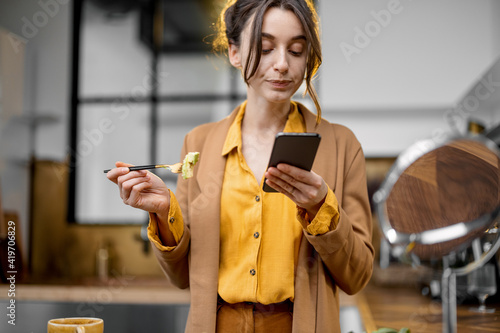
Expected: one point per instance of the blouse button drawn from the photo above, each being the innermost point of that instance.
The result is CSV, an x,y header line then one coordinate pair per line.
x,y
252,271
256,234
172,220
257,198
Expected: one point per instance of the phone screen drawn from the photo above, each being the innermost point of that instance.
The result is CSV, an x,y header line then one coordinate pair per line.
x,y
297,149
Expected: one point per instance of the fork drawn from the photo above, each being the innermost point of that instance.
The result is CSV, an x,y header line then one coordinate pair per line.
x,y
174,168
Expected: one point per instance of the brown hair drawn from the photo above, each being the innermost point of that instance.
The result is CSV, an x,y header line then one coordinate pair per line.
x,y
237,13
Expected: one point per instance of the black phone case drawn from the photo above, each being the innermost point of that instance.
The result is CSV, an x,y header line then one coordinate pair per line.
x,y
298,149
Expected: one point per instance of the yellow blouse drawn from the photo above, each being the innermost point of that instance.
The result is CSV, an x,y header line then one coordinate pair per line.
x,y
259,232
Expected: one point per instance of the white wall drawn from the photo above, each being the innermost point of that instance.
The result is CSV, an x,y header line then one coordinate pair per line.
x,y
393,68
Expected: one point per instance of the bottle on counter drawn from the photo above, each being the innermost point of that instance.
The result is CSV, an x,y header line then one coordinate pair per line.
x,y
102,263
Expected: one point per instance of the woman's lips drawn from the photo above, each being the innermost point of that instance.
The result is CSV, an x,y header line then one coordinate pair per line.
x,y
279,84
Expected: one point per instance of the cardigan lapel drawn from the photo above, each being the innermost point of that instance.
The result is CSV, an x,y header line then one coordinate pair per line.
x,y
210,170
326,157
308,272
204,217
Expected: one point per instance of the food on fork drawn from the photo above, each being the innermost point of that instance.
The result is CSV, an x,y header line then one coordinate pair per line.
x,y
188,164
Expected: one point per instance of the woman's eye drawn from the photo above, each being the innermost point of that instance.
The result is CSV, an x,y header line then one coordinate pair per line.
x,y
267,47
296,49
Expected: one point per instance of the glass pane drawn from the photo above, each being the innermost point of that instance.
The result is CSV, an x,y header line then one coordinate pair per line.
x,y
108,133
175,121
112,59
193,74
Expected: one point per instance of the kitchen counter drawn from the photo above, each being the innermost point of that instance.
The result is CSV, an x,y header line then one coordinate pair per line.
x,y
398,307
122,289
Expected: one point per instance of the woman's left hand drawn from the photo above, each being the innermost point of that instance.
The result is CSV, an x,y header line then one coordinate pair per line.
x,y
306,188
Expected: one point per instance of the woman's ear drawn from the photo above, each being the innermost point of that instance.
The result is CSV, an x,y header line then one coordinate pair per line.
x,y
234,55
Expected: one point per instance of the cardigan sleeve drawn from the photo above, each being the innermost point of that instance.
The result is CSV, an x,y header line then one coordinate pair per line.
x,y
326,219
175,225
174,260
347,251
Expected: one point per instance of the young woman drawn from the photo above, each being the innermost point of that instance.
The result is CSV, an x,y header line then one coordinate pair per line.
x,y
257,261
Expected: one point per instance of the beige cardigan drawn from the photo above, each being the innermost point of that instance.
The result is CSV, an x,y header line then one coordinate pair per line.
x,y
341,258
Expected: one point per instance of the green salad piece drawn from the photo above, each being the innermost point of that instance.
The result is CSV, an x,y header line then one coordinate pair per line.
x,y
188,164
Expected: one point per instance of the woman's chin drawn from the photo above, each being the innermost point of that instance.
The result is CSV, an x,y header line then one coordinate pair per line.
x,y
279,97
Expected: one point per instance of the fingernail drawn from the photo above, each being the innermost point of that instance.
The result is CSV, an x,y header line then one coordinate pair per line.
x,y
124,170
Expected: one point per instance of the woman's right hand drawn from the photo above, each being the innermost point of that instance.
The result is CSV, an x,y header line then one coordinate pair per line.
x,y
141,189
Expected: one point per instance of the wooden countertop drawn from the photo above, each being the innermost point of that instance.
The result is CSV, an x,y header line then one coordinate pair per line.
x,y
398,307
123,289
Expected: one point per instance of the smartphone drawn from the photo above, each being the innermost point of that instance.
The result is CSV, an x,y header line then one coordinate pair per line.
x,y
297,149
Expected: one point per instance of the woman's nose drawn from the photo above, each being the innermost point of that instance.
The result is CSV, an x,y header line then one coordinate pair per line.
x,y
281,62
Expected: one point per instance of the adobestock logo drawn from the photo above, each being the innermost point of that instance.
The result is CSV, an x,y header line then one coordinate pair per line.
x,y
31,26
373,28
120,110
484,90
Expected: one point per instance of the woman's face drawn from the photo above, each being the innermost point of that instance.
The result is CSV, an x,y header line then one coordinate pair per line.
x,y
284,56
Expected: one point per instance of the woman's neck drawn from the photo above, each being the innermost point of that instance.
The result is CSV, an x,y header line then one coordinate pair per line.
x,y
260,115
261,122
